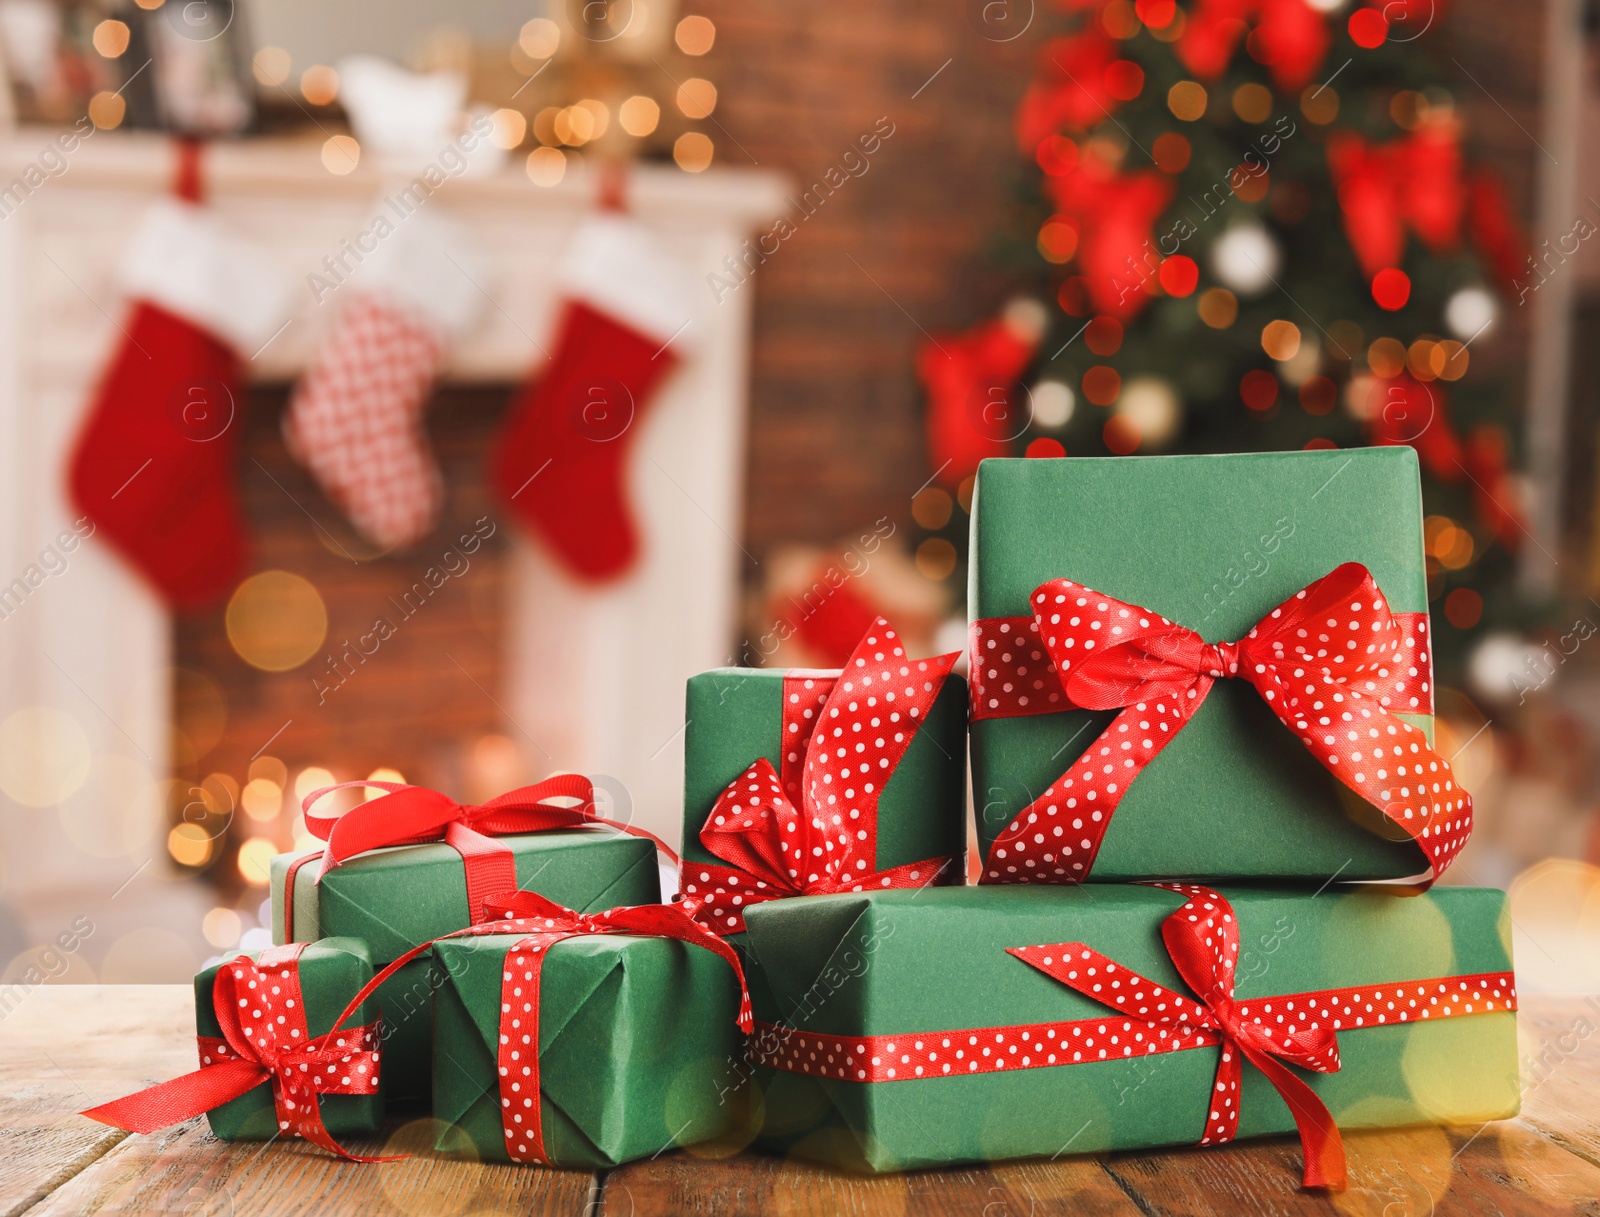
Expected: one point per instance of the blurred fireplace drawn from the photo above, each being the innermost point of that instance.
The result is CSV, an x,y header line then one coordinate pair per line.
x,y
411,669
509,671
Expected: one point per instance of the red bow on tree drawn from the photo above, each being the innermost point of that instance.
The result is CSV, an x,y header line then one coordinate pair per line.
x,y
969,379
1290,37
261,1010
1418,414
415,815
815,832
1115,213
1070,92
1202,937
1330,661
1413,181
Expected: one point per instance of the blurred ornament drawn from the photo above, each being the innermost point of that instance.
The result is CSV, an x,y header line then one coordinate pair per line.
x,y
1116,214
1470,311
1289,37
1246,258
1150,405
407,118
1504,666
1495,229
1052,402
970,379
1413,182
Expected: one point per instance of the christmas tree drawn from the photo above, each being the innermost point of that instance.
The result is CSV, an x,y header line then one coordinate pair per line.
x,y
1248,225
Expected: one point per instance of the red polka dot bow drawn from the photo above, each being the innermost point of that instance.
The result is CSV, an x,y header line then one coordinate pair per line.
x,y
1202,937
1332,662
414,815
814,830
261,1010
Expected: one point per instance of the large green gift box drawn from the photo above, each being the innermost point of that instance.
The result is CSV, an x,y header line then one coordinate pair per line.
x,y
735,716
397,898
1215,544
910,1036
637,1048
329,974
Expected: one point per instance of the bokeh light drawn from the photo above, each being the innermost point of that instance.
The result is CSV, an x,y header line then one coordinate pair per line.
x,y
384,774
44,756
931,507
546,166
222,928
695,35
936,558
1187,100
262,799
319,85
539,38
276,620
255,861
692,151
271,66
190,845
110,38
340,154
510,128
313,777
697,98
639,115
106,110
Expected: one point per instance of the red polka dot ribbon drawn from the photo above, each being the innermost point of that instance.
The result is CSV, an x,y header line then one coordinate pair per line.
x,y
1333,662
1202,938
415,815
813,828
261,1010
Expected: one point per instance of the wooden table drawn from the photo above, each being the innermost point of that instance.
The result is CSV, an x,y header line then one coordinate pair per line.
x,y
64,1047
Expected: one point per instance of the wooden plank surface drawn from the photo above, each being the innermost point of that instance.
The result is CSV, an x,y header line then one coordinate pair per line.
x,y
67,1047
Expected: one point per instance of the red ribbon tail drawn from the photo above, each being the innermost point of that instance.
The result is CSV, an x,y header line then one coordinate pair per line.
x,y
182,1098
1319,1135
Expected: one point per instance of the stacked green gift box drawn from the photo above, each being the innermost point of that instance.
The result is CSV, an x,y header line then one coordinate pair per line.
x,y
1199,710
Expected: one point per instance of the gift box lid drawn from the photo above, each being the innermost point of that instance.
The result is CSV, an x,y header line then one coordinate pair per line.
x,y
1213,543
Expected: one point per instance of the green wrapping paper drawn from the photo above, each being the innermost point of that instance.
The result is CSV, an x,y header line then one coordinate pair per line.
x,y
635,1039
906,964
331,972
735,716
1213,543
395,899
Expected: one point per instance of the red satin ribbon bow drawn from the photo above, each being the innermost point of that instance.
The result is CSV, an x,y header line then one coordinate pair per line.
x,y
814,831
414,815
1327,661
1202,937
264,1038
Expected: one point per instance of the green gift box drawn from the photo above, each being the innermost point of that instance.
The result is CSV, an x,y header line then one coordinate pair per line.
x,y
328,974
397,898
635,1040
909,1036
736,716
1215,544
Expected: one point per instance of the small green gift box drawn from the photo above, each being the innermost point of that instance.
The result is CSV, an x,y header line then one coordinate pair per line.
x,y
397,898
305,988
594,1051
1153,696
923,1029
805,782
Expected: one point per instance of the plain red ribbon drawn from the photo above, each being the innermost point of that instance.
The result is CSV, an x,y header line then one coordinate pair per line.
x,y
853,739
261,1010
1202,937
415,815
1325,661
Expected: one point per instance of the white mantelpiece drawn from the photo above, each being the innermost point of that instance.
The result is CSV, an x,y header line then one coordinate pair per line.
x,y
594,678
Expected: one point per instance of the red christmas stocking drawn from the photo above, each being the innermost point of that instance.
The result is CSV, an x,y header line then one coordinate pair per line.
x,y
560,460
356,418
154,462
